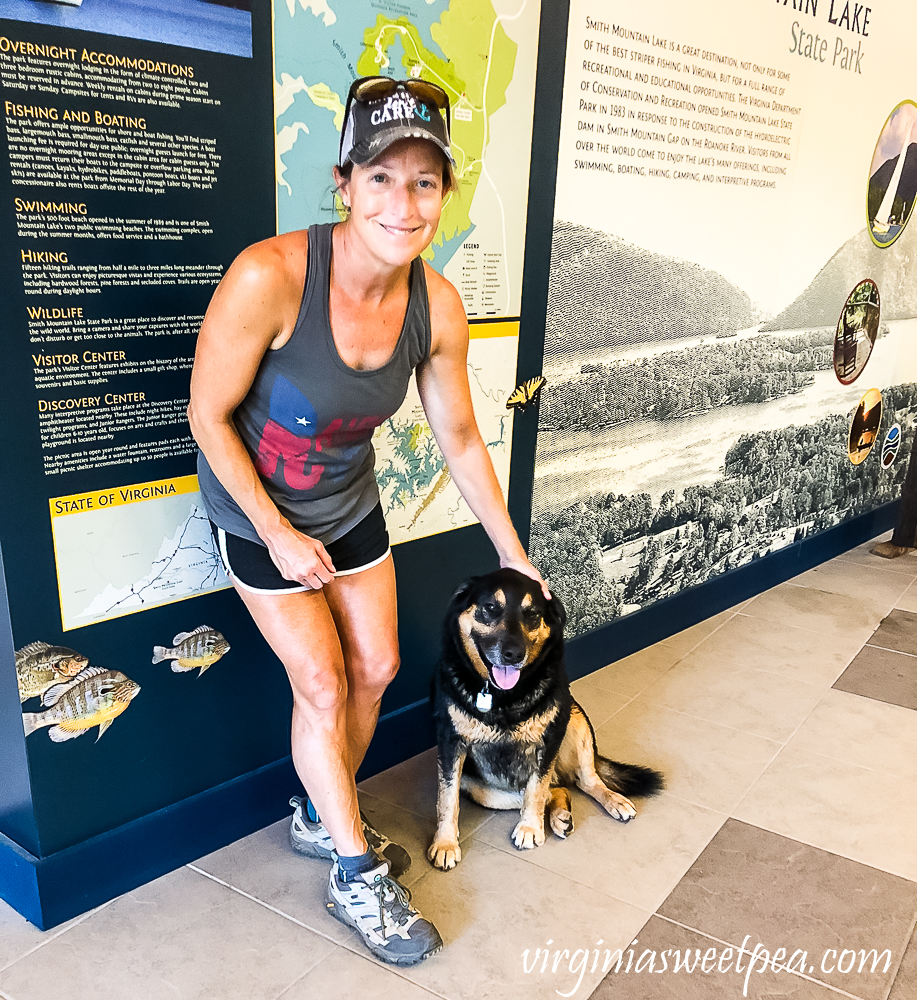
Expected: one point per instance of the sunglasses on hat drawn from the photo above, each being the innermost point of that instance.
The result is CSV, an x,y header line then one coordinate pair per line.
x,y
377,88
371,89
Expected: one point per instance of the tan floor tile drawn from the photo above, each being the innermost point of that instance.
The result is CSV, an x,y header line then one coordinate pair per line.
x,y
754,701
859,813
908,600
905,565
854,580
18,936
817,611
180,936
784,894
638,862
897,631
798,653
597,701
344,975
266,867
883,675
862,731
493,908
634,673
684,642
905,986
411,785
703,762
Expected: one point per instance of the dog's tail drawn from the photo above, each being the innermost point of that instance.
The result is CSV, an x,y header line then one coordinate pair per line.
x,y
629,779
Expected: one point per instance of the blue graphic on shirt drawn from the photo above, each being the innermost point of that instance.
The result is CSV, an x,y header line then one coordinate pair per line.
x,y
292,410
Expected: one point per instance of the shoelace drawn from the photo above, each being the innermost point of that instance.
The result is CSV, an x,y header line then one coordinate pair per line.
x,y
380,885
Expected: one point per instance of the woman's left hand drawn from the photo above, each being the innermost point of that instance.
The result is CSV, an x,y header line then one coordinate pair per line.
x,y
527,569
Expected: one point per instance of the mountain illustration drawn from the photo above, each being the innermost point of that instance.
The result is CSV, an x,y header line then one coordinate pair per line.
x,y
604,292
891,268
907,186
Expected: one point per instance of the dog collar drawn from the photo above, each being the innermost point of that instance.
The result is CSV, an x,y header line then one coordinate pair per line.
x,y
485,699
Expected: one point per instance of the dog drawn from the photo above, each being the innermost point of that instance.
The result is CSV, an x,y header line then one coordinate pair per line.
x,y
509,732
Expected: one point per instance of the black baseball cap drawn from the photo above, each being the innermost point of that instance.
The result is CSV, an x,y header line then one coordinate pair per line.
x,y
381,111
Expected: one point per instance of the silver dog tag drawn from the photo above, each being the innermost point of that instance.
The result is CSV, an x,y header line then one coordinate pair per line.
x,y
484,700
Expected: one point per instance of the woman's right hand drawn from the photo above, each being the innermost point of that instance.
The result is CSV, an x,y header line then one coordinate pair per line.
x,y
301,558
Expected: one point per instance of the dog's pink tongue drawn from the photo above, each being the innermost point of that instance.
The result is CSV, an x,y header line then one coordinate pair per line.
x,y
505,677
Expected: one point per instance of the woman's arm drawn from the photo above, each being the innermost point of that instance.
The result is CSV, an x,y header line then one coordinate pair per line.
x,y
252,311
443,384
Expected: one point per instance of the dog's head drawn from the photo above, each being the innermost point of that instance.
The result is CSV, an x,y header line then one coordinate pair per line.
x,y
504,624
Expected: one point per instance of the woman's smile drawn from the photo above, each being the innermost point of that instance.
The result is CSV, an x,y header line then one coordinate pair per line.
x,y
399,230
399,194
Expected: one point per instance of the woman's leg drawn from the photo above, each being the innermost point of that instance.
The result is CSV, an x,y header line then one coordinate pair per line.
x,y
340,650
364,609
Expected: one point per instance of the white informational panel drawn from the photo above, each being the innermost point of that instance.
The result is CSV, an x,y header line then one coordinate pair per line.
x,y
727,181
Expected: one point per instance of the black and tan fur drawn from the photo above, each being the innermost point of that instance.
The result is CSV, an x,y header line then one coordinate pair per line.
x,y
535,741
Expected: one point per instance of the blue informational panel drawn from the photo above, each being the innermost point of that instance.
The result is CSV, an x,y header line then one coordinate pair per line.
x,y
136,161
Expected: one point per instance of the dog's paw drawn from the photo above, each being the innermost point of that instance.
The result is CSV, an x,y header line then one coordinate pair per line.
x,y
562,823
526,837
620,808
444,854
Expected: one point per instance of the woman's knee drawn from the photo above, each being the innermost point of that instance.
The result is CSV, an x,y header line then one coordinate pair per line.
x,y
319,689
386,669
376,672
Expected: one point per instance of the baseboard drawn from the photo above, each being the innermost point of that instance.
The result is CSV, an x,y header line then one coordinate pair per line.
x,y
50,890
86,875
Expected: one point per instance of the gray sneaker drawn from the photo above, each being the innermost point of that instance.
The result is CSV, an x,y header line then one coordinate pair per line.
x,y
313,840
379,910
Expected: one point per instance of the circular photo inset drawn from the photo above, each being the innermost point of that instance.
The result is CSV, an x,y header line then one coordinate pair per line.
x,y
864,427
893,176
857,330
890,445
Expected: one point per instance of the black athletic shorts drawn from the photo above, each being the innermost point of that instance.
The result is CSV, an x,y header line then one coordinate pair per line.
x,y
251,567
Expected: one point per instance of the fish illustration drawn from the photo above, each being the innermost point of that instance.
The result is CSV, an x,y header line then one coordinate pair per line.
x,y
94,697
199,648
39,666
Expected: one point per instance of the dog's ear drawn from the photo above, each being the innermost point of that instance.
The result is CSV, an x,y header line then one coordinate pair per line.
x,y
461,600
554,612
461,595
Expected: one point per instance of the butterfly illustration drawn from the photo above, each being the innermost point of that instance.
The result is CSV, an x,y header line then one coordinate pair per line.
x,y
526,395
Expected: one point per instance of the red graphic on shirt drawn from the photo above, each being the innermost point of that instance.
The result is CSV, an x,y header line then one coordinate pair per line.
x,y
281,445
278,444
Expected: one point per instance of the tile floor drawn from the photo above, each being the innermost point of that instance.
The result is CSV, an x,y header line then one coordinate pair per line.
x,y
787,728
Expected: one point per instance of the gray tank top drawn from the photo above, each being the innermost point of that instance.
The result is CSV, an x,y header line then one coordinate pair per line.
x,y
308,418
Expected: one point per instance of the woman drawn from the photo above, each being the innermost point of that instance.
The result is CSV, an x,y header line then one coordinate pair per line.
x,y
307,346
